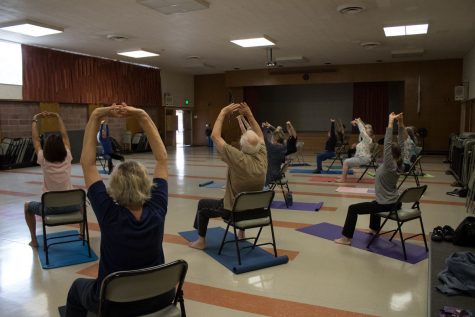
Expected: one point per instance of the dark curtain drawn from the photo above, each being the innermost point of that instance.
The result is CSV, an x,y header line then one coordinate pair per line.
x,y
371,104
54,76
251,97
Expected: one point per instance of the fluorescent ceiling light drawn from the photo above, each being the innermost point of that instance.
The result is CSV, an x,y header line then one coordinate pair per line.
x,y
30,28
395,31
406,30
255,42
138,54
416,29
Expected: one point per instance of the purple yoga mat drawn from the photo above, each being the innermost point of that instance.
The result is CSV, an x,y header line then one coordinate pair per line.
x,y
381,245
297,205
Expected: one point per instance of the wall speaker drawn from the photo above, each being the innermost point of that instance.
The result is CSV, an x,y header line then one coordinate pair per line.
x,y
460,93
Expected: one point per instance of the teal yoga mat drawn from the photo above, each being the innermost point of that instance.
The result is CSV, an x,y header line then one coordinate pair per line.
x,y
251,259
64,254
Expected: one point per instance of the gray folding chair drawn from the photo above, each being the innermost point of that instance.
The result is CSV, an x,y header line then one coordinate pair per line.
x,y
372,164
250,210
403,215
282,182
411,172
100,157
63,208
137,285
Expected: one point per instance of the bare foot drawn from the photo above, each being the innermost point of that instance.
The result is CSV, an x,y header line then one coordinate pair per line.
x,y
241,234
33,244
343,240
198,244
341,180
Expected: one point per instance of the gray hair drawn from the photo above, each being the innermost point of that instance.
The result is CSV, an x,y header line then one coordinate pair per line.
x,y
249,142
130,184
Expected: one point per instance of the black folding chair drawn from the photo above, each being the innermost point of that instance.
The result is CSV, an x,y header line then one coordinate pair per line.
x,y
372,164
412,172
282,182
340,150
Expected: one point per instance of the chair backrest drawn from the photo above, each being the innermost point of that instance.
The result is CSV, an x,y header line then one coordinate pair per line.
x,y
253,200
135,285
99,150
412,195
59,199
375,149
413,166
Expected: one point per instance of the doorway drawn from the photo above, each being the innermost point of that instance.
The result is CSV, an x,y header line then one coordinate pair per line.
x,y
183,134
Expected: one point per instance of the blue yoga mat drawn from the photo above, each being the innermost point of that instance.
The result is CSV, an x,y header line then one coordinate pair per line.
x,y
381,245
297,205
66,253
307,171
212,184
251,259
300,164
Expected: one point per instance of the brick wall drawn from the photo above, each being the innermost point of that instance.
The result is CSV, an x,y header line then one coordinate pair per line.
x,y
15,118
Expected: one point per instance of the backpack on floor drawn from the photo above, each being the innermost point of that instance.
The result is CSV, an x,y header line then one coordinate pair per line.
x,y
465,233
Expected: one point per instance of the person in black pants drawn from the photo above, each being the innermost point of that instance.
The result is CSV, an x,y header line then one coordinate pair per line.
x,y
385,187
329,147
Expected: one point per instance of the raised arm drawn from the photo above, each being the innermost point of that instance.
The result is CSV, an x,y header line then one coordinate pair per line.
x,y
245,110
62,130
291,129
388,140
88,154
35,135
362,129
218,126
241,124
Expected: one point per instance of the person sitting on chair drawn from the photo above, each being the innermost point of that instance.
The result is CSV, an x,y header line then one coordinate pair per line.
x,y
292,140
107,148
329,147
387,176
363,149
276,150
247,170
130,211
55,161
409,140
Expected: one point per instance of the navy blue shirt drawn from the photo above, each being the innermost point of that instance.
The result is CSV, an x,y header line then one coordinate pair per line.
x,y
128,243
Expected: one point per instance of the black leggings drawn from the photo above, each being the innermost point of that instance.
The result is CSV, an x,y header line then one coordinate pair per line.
x,y
362,209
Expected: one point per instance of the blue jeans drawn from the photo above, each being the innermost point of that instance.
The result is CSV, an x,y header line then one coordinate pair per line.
x,y
210,142
322,157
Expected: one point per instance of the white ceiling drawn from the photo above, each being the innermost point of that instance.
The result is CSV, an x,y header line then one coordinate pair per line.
x,y
310,28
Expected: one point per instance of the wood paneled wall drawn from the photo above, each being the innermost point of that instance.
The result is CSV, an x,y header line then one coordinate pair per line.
x,y
439,113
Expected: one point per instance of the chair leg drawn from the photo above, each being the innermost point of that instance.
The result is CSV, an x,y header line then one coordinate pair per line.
x,y
273,237
417,179
423,234
86,231
283,194
376,234
366,169
402,241
237,245
224,239
257,237
45,243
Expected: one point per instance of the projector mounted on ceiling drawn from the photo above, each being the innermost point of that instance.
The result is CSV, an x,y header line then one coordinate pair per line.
x,y
270,60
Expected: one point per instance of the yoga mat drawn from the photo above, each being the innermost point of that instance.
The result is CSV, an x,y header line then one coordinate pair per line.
x,y
307,171
333,179
355,190
66,253
212,184
373,174
300,164
251,259
297,205
101,171
381,245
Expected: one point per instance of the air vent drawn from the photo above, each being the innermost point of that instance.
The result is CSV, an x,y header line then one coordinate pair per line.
x,y
350,8
116,37
175,6
370,45
416,52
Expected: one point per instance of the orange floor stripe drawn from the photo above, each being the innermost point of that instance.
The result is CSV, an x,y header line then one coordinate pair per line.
x,y
17,194
250,303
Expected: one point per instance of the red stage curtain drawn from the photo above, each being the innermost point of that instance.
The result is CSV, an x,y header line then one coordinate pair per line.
x,y
371,104
54,76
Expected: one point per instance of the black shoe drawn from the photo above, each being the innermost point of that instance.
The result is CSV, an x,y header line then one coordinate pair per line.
x,y
317,172
448,233
437,234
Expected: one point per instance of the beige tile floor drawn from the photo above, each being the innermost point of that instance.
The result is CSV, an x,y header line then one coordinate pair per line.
x,y
324,279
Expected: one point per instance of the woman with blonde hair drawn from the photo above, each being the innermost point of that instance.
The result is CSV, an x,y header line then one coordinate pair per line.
x,y
130,212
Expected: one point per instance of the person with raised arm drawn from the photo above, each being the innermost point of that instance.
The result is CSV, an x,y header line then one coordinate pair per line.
x,y
55,162
387,176
247,169
130,211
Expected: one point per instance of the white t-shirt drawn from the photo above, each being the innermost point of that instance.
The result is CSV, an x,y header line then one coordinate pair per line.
x,y
56,176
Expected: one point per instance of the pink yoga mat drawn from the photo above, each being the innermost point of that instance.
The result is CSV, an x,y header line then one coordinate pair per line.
x,y
324,179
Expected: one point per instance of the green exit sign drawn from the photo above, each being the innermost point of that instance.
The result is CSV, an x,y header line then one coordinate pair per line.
x,y
187,102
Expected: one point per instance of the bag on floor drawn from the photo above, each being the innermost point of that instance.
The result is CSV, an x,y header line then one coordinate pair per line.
x,y
465,233
288,198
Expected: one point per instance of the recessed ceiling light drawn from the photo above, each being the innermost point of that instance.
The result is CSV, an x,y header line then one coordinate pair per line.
x,y
30,28
406,30
416,29
138,53
254,42
395,31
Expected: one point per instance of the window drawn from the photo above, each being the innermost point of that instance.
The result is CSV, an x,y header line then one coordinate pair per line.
x,y
10,63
